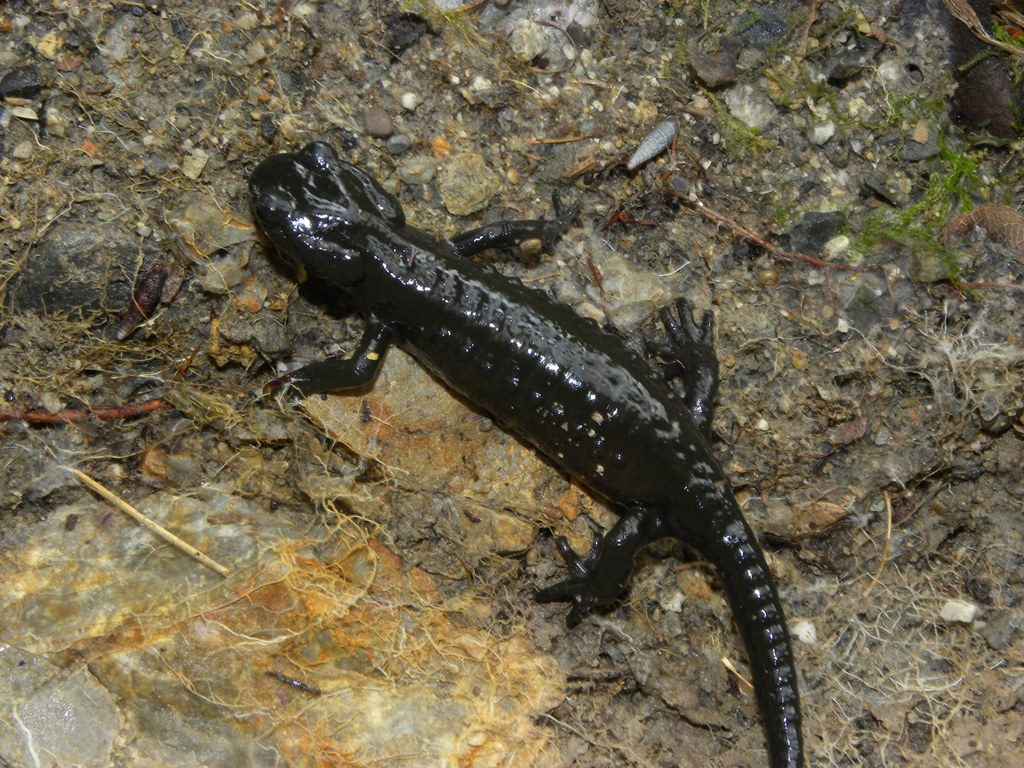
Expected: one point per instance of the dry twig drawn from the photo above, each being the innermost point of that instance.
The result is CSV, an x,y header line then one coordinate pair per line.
x,y
966,15
155,528
69,415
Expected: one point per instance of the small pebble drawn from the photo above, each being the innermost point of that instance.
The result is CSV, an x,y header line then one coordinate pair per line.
x,y
193,164
958,611
23,83
921,131
716,68
50,401
377,122
23,150
467,184
528,40
268,127
417,171
57,122
1000,630
768,277
836,247
49,46
820,133
750,106
805,632
23,112
399,144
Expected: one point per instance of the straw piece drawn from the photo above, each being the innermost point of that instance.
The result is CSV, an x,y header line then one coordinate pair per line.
x,y
151,526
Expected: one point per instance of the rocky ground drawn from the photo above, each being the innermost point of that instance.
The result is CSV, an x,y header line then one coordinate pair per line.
x,y
379,552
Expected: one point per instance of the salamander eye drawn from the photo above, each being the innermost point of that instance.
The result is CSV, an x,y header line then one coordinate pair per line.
x,y
274,207
322,154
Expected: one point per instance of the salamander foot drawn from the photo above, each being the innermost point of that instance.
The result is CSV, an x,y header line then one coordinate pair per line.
x,y
580,586
692,360
553,228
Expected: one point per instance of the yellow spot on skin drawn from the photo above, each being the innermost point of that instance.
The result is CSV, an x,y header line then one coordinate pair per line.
x,y
595,416
373,356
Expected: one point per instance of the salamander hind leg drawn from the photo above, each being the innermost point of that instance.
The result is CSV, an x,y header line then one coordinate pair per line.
x,y
600,576
691,349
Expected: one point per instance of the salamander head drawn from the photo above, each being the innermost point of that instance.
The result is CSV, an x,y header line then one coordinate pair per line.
x,y
323,214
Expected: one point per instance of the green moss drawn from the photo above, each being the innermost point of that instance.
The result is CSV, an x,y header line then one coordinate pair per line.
x,y
681,9
1000,33
453,19
705,13
955,176
946,191
782,219
791,92
739,140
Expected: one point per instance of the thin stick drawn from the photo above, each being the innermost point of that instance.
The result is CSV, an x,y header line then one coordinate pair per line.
x,y
731,667
149,525
532,142
68,416
885,547
739,229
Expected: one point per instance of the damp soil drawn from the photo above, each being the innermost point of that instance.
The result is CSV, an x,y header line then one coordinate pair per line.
x,y
383,549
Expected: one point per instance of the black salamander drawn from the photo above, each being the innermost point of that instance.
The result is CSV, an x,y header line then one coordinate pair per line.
x,y
557,380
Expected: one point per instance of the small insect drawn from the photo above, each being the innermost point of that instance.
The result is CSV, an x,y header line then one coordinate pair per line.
x,y
306,687
656,142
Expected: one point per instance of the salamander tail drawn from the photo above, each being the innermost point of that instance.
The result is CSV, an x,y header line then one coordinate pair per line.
x,y
755,604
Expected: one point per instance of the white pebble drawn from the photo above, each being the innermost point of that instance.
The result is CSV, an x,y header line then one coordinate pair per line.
x,y
959,611
805,632
528,40
821,133
750,106
837,246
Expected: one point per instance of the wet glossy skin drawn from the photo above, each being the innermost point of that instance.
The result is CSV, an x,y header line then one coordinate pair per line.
x,y
557,380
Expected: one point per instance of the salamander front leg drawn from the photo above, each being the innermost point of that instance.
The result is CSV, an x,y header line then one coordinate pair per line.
x,y
509,233
601,575
340,374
